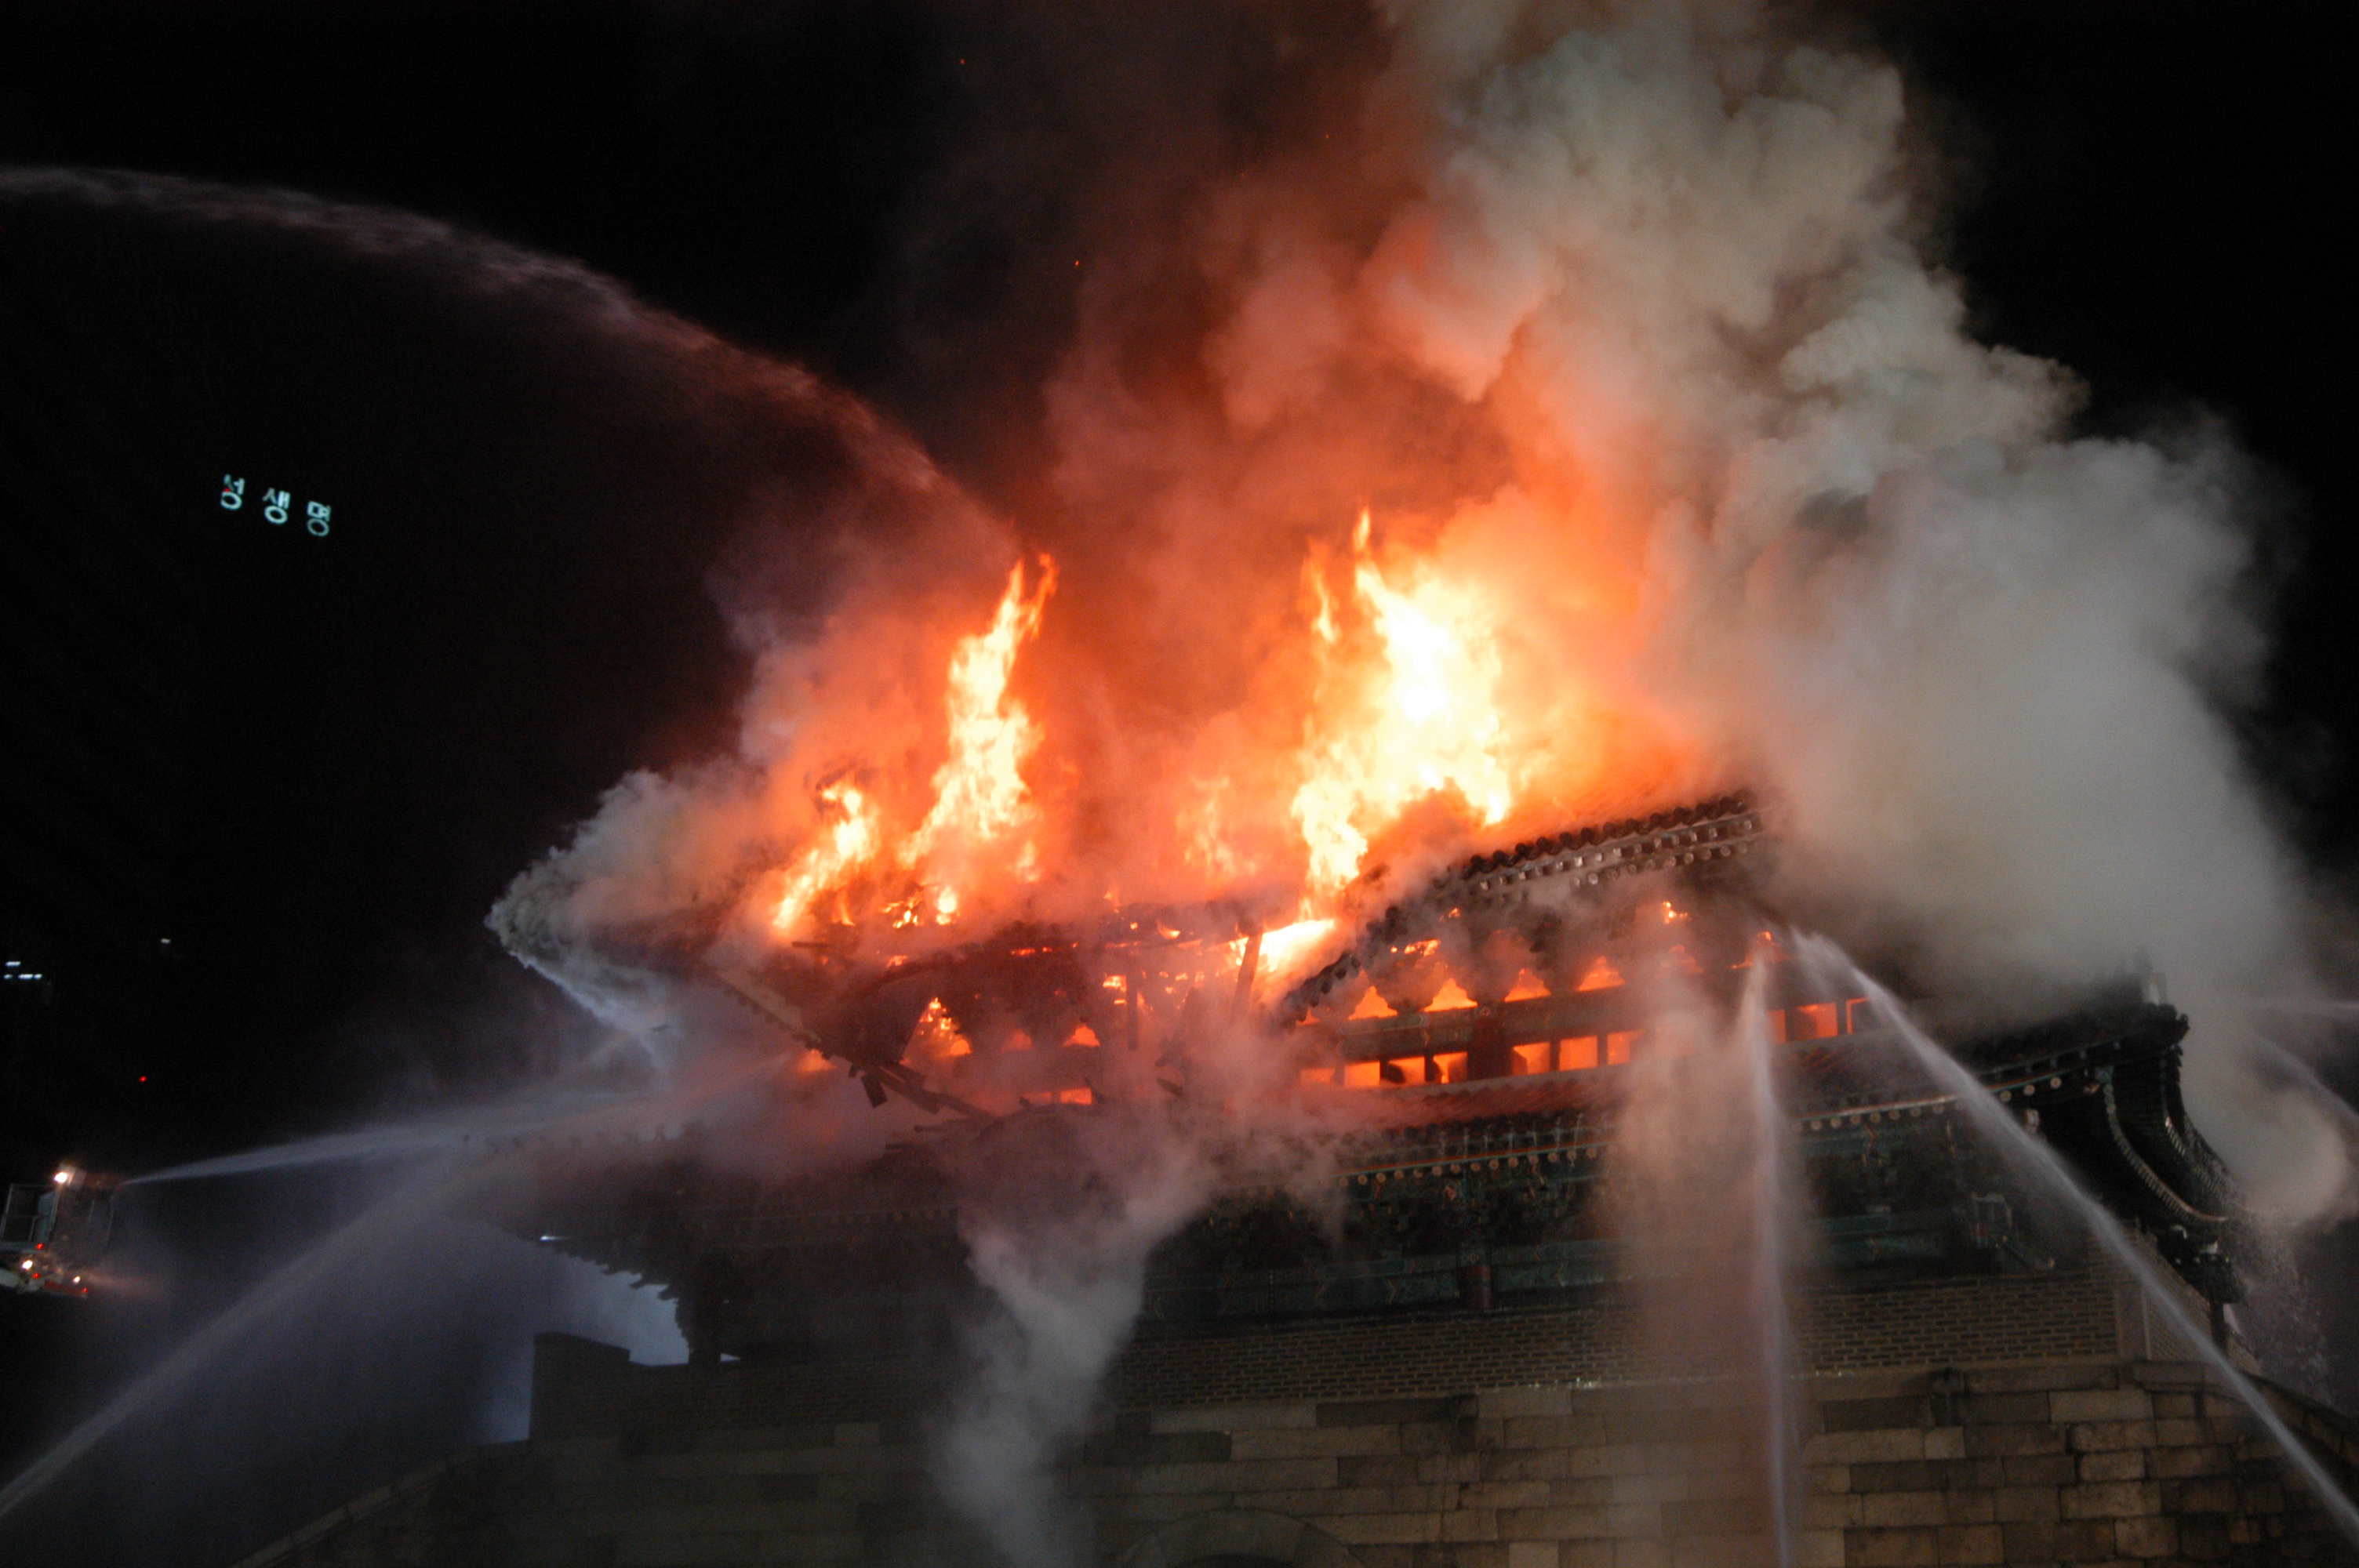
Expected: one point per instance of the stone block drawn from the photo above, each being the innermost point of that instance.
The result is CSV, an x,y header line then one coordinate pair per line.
x,y
1945,1443
2001,1410
1435,1437
1356,1529
2204,1538
1881,1509
1434,1468
1383,1556
681,1551
1470,1524
1974,1543
1874,1415
1552,1431
2067,1406
2203,1459
1349,1500
1543,1400
1818,1549
1612,1459
1391,1412
1721,1550
1970,1474
2095,1436
1244,1476
1629,1521
1654,1487
1892,1548
1909,1475
1522,1464
1156,1448
1533,1554
2057,1541
2119,1465
1828,1512
1237,1418
2202,1494
2003,1441
1313,1442
2156,1536
1556,1523
1379,1470
1581,1491
2111,1499
2040,1470
2043,1378
1144,1508
1864,1447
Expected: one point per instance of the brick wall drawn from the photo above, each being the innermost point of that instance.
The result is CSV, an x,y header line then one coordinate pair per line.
x,y
2094,1461
2020,1420
1965,1322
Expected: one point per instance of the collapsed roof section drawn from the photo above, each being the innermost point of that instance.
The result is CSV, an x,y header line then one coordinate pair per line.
x,y
1478,1044
1503,965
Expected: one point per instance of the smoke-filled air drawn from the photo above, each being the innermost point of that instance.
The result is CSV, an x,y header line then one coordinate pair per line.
x,y
1581,426
1556,413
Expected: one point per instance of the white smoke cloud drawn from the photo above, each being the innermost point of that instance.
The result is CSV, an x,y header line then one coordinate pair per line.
x,y
1984,666
1069,1288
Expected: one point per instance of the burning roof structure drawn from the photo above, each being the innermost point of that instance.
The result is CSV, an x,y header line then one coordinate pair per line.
x,y
1460,1071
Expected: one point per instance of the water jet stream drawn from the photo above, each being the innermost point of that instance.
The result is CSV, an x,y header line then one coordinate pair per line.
x,y
390,1142
1772,1320
2303,1074
414,1201
2034,1155
421,1197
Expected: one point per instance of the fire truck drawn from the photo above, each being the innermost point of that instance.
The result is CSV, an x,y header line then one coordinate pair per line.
x,y
52,1233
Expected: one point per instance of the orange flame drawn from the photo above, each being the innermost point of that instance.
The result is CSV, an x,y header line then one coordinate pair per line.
x,y
1427,723
979,794
846,845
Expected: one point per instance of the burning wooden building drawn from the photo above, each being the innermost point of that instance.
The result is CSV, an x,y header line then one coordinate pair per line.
x,y
1463,1062
1435,1329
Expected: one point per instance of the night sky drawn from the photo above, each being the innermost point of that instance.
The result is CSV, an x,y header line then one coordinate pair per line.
x,y
513,609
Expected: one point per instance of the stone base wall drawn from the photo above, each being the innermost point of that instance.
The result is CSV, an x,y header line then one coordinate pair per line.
x,y
2099,1460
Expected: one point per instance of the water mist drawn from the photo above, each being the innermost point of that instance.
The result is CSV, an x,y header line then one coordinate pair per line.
x,y
2033,1155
